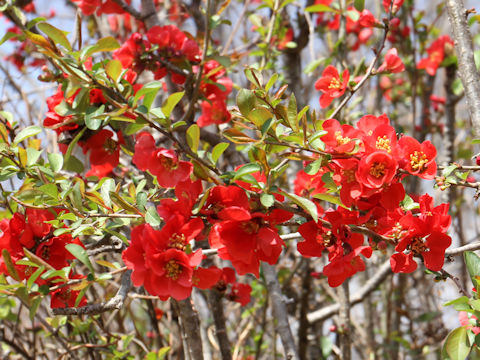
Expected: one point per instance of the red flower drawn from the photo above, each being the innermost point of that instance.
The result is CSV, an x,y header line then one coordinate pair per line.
x,y
206,278
240,293
162,163
331,85
340,138
392,62
55,121
172,271
104,153
245,244
397,4
376,169
418,159
436,54
214,111
158,258
66,296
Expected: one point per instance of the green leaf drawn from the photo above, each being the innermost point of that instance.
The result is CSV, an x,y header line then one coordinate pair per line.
x,y
72,144
108,43
456,344
34,306
26,133
254,76
57,35
218,151
313,167
330,198
359,5
9,35
92,120
56,161
267,200
73,165
50,189
32,156
81,254
246,101
193,137
171,102
152,217
121,202
35,276
308,205
292,113
472,261
271,82
7,260
247,169
320,8
114,69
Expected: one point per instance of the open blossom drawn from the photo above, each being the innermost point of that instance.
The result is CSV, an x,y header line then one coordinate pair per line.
x,y
331,85
418,159
161,162
159,259
392,62
436,54
376,169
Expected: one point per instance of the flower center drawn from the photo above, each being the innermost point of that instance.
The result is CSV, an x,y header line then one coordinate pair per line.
x,y
335,84
349,175
328,239
377,170
418,161
110,145
177,241
46,253
417,246
174,269
168,163
250,227
383,143
340,139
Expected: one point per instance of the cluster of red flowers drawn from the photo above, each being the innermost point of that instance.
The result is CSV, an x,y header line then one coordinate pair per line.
x,y
215,88
169,44
163,260
332,86
32,231
369,181
103,150
162,43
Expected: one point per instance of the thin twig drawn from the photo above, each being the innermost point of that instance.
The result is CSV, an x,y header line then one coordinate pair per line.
x,y
115,303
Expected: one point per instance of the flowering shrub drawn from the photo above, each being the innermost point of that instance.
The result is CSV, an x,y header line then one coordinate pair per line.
x,y
196,163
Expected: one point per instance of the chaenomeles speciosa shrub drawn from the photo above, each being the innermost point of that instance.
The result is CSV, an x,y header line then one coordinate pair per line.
x,y
228,179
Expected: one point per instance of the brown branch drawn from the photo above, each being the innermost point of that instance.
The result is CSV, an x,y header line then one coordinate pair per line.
x,y
215,301
115,303
460,250
370,286
367,75
190,327
129,9
280,312
457,16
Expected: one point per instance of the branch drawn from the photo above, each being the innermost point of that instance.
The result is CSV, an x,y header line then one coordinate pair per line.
x,y
115,303
460,250
131,10
215,301
457,15
370,285
190,327
369,72
280,312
